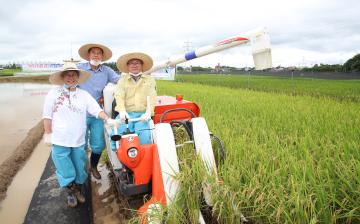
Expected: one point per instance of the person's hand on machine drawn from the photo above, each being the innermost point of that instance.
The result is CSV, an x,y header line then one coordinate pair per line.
x,y
112,122
123,115
145,117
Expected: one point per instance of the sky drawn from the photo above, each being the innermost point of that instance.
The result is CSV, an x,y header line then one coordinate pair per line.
x,y
302,33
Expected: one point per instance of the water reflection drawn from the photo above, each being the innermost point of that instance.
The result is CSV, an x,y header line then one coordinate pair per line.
x,y
11,91
21,109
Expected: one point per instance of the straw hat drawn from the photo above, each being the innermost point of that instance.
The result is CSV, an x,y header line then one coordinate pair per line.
x,y
56,79
84,51
121,63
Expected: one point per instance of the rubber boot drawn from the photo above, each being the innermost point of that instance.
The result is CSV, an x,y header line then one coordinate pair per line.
x,y
71,198
94,160
79,192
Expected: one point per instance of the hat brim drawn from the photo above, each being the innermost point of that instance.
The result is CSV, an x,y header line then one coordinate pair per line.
x,y
84,51
56,79
121,63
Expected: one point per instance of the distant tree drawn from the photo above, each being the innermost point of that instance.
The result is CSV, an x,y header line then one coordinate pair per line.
x,y
228,68
324,68
112,65
200,69
353,64
12,66
179,68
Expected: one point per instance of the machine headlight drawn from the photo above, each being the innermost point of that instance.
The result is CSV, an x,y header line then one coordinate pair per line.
x,y
132,152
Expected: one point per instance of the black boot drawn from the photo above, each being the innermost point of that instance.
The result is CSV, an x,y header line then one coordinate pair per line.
x,y
71,198
94,160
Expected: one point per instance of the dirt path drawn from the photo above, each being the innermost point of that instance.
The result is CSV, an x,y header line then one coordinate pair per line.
x,y
11,165
19,194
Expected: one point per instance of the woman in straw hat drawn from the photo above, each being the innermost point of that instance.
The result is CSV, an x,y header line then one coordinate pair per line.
x,y
64,116
101,75
132,91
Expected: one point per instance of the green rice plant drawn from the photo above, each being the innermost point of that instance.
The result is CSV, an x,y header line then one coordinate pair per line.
x,y
8,72
187,202
348,90
290,158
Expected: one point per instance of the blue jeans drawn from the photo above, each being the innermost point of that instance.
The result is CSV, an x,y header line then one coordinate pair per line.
x,y
70,163
139,127
96,128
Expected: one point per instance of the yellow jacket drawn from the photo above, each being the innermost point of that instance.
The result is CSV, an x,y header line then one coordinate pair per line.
x,y
130,96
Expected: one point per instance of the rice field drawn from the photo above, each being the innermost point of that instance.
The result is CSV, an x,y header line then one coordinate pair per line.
x,y
8,72
291,158
336,89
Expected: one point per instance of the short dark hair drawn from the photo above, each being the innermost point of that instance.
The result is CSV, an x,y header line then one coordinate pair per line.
x,y
64,72
95,47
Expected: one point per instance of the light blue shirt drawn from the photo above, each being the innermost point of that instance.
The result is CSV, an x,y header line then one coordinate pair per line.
x,y
98,79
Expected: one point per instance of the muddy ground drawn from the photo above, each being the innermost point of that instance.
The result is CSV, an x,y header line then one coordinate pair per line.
x,y
16,161
33,79
108,207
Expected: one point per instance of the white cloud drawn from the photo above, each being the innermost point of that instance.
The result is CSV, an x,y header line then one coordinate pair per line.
x,y
302,32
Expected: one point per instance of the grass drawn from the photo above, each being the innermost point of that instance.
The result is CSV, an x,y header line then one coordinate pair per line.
x,y
291,158
336,89
8,72
292,154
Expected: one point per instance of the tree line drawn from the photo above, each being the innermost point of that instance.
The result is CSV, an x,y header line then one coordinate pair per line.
x,y
351,65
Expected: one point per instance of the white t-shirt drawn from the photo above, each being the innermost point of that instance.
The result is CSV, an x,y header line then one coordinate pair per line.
x,y
67,110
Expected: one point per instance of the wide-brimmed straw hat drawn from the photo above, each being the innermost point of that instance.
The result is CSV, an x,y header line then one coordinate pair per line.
x,y
84,51
56,79
121,63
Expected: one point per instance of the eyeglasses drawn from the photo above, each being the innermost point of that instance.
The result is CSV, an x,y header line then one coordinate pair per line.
x,y
134,63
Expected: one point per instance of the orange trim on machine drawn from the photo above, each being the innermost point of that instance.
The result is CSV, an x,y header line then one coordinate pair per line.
x,y
145,165
158,193
141,165
127,142
143,172
166,103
